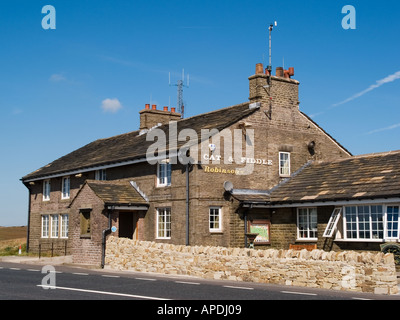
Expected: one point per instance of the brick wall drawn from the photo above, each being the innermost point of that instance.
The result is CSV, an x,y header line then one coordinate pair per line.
x,y
87,249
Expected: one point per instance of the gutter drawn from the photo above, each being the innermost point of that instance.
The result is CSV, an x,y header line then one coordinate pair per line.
x,y
96,167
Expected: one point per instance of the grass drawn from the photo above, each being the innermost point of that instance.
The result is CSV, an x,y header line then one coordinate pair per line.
x,y
11,238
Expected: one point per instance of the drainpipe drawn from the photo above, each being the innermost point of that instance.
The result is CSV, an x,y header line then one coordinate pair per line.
x,y
187,204
29,216
245,228
103,244
245,224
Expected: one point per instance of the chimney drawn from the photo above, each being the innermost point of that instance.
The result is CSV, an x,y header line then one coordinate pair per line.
x,y
279,72
150,118
281,91
259,68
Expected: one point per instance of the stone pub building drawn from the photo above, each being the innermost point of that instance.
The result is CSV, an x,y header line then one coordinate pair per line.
x,y
304,188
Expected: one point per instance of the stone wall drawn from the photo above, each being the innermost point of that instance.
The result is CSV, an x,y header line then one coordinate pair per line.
x,y
347,270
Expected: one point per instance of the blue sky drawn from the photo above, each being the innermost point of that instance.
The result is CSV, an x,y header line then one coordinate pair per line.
x,y
53,82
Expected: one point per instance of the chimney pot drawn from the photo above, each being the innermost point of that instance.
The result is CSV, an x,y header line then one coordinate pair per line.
x,y
154,107
259,68
147,106
165,108
173,110
291,71
279,72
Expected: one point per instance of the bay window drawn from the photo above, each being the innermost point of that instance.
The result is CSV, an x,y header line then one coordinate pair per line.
x,y
378,222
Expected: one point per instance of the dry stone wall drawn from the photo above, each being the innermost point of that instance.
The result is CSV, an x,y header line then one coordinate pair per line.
x,y
346,270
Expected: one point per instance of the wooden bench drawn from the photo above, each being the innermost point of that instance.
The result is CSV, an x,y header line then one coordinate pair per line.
x,y
308,247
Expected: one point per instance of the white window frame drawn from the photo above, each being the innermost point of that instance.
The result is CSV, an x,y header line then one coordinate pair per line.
x,y
308,230
54,226
332,223
358,222
163,223
65,194
163,174
284,170
64,221
215,218
45,225
386,224
46,190
101,175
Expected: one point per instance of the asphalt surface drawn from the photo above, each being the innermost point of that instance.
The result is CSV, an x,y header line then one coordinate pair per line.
x,y
29,281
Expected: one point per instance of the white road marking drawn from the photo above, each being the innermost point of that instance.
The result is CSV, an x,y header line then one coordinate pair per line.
x,y
80,274
301,293
146,279
187,282
233,287
102,292
109,276
15,268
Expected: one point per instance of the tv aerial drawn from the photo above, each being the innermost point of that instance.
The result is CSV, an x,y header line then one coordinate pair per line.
x,y
271,27
180,84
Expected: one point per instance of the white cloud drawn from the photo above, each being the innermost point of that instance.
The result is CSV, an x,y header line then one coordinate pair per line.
x,y
394,126
378,83
111,105
57,77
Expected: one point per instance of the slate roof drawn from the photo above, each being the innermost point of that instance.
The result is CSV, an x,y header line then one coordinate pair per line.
x,y
117,192
369,176
132,145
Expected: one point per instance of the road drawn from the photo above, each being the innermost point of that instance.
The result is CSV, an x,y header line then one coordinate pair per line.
x,y
27,282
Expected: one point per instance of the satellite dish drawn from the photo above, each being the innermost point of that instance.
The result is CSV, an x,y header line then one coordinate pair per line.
x,y
228,186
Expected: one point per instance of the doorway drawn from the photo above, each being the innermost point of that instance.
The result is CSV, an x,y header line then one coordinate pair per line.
x,y
128,225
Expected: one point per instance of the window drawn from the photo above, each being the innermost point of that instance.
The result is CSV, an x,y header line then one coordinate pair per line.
x,y
101,174
51,224
307,224
333,220
364,222
45,226
46,190
392,222
215,219
64,226
65,186
85,224
163,223
164,174
54,225
284,163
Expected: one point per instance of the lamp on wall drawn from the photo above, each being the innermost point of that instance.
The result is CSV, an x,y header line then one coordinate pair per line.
x,y
244,125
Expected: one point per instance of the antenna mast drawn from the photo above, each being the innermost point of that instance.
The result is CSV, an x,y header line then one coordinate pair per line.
x,y
269,68
271,27
180,84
